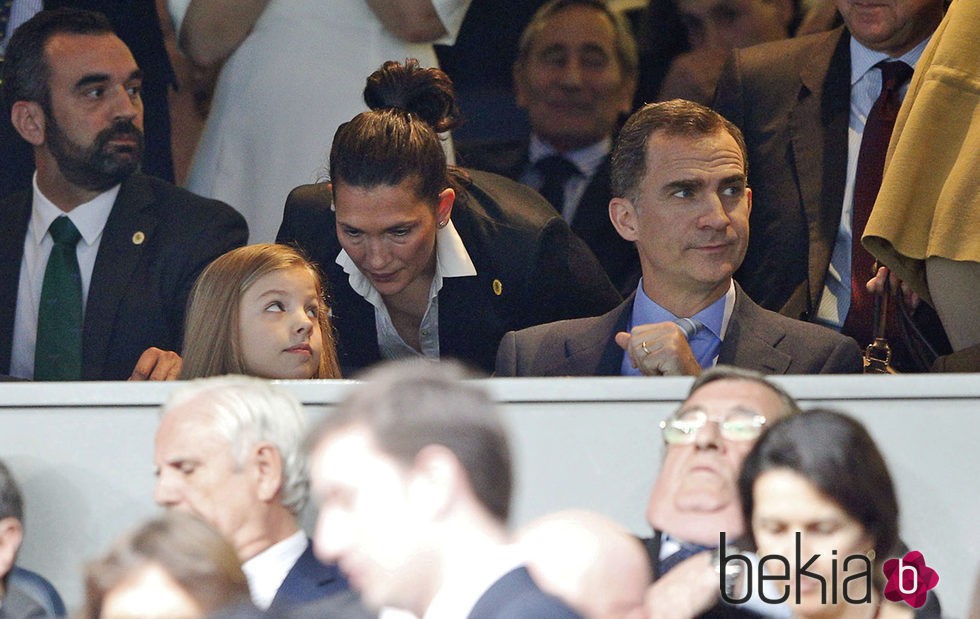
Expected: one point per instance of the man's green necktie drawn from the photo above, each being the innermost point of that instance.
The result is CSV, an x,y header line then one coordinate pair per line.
x,y
58,355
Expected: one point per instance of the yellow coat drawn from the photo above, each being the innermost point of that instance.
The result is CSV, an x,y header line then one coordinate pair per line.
x,y
929,202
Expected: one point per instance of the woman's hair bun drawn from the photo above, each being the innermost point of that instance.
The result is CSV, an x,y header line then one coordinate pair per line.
x,y
426,92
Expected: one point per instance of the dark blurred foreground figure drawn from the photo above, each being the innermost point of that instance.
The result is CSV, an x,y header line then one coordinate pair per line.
x,y
138,25
412,475
805,106
23,593
428,260
97,259
575,74
679,181
172,566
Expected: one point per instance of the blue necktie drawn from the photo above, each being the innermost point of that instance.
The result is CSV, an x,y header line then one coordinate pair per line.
x,y
704,343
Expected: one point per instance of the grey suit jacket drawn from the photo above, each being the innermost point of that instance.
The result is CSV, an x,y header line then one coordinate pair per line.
x,y
156,241
757,339
791,99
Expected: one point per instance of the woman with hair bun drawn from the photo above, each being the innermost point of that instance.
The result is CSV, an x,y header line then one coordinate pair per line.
x,y
425,259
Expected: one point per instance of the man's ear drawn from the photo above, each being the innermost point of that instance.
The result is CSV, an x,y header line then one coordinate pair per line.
x,y
622,213
437,480
268,471
11,536
29,120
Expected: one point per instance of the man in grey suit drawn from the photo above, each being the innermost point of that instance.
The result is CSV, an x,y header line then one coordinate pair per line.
x,y
680,193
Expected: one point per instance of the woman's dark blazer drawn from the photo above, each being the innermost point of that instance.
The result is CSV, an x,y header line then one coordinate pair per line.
x,y
531,269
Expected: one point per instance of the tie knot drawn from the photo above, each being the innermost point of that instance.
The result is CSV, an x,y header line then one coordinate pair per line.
x,y
894,74
689,326
64,232
557,167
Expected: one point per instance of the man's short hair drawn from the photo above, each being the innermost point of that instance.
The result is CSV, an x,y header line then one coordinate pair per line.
x,y
677,117
409,405
25,70
625,43
11,500
730,372
247,411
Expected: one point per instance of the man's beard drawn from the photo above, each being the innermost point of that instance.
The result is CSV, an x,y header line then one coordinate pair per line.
x,y
98,166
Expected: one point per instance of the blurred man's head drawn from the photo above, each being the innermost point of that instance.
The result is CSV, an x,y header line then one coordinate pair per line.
x,y
575,72
228,449
695,495
411,462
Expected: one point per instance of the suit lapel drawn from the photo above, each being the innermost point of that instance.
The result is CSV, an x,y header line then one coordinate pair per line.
x,y
750,341
15,214
129,229
818,133
594,351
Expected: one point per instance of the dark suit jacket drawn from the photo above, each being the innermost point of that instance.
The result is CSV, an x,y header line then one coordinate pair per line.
x,y
519,245
719,611
757,339
308,580
516,596
137,24
343,605
791,99
794,112
138,292
591,222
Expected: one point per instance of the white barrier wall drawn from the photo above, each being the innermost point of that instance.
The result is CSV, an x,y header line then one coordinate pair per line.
x,y
82,453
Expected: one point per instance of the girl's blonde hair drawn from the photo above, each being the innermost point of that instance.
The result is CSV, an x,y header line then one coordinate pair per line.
x,y
212,343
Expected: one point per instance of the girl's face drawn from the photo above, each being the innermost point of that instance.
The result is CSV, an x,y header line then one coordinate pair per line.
x,y
787,503
390,233
278,326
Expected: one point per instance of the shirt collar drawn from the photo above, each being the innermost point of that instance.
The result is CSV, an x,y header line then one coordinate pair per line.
x,y
452,260
587,159
267,570
715,317
89,218
863,59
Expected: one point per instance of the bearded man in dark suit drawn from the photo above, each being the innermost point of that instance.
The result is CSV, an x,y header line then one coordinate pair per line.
x,y
72,89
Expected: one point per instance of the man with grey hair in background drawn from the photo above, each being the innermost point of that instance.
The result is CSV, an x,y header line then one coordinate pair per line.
x,y
228,449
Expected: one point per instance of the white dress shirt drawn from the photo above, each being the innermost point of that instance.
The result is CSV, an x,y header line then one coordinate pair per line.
x,y
587,160
267,570
90,219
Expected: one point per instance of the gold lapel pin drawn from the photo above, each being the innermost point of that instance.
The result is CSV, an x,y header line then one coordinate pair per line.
x,y
138,237
498,288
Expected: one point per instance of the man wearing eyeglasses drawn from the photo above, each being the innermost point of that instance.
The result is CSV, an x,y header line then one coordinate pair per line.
x,y
695,495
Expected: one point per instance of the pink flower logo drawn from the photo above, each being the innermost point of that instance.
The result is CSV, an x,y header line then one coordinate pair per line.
x,y
909,579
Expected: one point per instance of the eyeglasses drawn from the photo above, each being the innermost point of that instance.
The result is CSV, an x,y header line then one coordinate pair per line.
x,y
739,425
